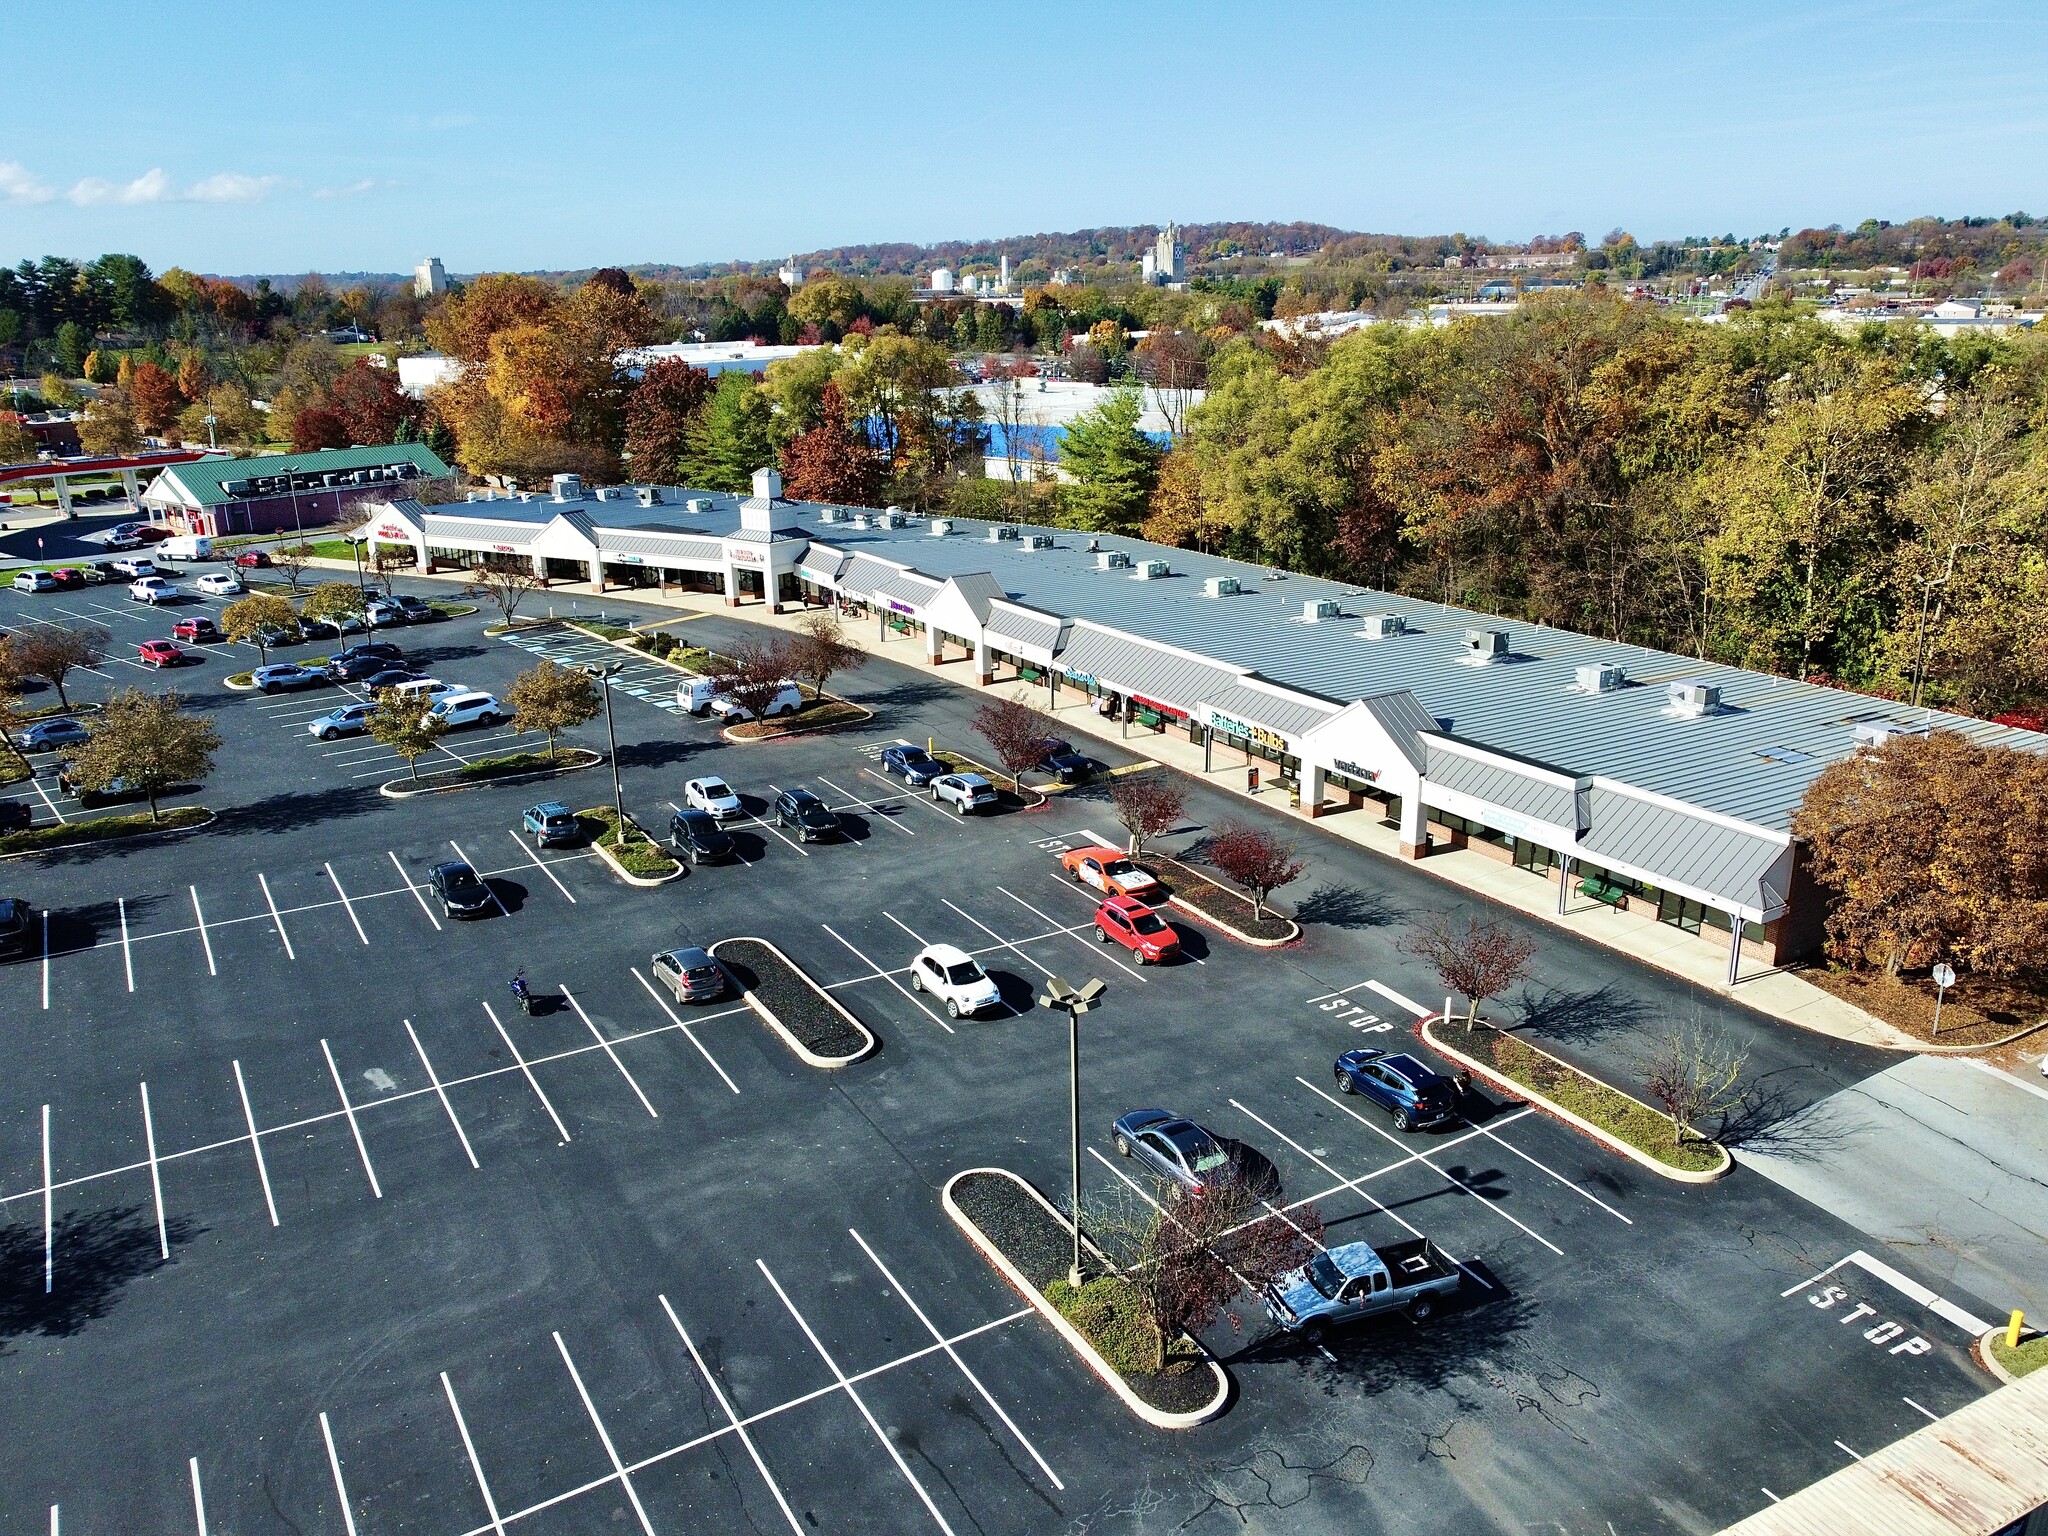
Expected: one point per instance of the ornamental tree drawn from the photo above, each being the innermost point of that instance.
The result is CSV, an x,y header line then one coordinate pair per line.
x,y
553,698
52,653
1016,733
405,726
1255,859
146,741
1147,804
1478,959
820,648
248,619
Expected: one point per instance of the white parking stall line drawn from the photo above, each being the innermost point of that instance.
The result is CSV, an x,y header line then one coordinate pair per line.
x,y
1095,898
604,1437
920,1007
156,1181
198,1495
1354,1185
275,917
1423,1158
416,896
531,1081
858,1401
346,903
49,1224
1543,1167
1072,933
1145,1195
37,785
200,913
1340,992
255,1143
483,1483
495,901
1927,1413
46,957
349,1111
954,1355
442,1094
348,1518
539,863
606,1046
127,951
908,793
688,1034
1000,940
732,1418
770,827
866,805
1394,997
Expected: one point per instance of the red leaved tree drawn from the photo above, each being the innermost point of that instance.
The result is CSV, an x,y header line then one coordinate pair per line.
x,y
754,673
1147,804
370,404
659,412
154,398
833,461
1477,959
1016,733
1254,858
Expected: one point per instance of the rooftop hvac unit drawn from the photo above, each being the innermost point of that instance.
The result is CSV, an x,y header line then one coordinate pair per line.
x,y
1112,560
1039,541
1600,677
1484,645
939,527
467,496
698,504
828,515
1875,733
893,517
567,487
1220,586
1380,625
997,532
648,496
1316,609
1692,700
1150,570
860,519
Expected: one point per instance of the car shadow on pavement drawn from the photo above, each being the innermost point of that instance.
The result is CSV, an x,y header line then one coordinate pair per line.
x,y
511,895
96,1254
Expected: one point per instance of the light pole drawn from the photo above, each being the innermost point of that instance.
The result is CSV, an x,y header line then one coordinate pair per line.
x,y
1073,1004
211,421
604,676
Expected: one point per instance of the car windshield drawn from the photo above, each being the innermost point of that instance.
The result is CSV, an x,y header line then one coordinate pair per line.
x,y
1119,867
714,789
914,754
1325,1276
1148,922
963,973
460,877
1209,1159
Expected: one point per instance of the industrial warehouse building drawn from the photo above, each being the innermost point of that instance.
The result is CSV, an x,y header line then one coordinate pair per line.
x,y
278,493
1657,784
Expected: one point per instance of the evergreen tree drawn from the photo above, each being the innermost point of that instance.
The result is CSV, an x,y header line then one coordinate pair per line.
x,y
1114,465
730,438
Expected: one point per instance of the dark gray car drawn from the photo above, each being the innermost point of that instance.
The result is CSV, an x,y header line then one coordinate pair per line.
x,y
1173,1147
691,975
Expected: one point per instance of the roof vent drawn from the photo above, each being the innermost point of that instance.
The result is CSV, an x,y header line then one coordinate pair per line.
x,y
469,496
997,532
828,515
1111,560
860,519
1378,626
939,527
1689,701
1485,645
1038,541
1220,586
1150,570
1875,733
568,487
1316,609
1599,677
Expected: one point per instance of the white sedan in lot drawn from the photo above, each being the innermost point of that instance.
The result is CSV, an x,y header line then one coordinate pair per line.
x,y
955,978
219,584
714,797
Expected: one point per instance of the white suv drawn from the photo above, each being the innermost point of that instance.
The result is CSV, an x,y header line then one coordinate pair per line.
x,y
136,566
955,979
467,709
964,792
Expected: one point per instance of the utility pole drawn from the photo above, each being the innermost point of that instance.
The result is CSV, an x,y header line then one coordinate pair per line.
x,y
604,677
1065,999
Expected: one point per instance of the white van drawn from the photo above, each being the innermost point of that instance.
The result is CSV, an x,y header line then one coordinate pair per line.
x,y
786,702
695,694
186,546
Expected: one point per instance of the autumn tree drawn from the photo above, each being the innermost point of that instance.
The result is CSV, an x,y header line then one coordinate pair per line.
x,y
832,461
659,413
369,404
17,443
318,426
52,653
505,587
334,601
553,698
1016,733
155,399
290,558
1476,959
753,672
1254,858
1148,804
731,437
1693,1074
248,619
109,427
820,648
405,726
148,742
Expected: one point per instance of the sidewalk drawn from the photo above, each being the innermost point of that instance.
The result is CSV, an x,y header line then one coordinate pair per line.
x,y
1781,994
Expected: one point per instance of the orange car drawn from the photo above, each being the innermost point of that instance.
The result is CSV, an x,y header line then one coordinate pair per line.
x,y
1111,873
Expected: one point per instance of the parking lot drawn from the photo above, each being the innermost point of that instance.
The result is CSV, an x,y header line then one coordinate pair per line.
x,y
306,1227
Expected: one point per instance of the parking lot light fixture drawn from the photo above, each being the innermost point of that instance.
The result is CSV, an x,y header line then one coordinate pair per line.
x,y
1059,995
604,676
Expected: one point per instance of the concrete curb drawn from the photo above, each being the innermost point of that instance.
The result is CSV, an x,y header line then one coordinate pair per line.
x,y
866,715
627,875
132,837
1156,1417
1980,1351
804,1053
403,792
1236,933
1586,1127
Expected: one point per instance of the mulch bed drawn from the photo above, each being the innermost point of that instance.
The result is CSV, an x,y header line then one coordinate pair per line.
x,y
812,717
1041,1248
791,996
1978,1011
1216,901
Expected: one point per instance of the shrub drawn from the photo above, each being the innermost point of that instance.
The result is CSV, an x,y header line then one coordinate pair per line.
x,y
1111,1316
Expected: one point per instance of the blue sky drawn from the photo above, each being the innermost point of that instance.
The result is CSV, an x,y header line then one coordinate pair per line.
x,y
236,137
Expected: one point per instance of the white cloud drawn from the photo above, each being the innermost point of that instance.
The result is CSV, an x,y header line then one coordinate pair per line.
x,y
355,188
156,186
19,185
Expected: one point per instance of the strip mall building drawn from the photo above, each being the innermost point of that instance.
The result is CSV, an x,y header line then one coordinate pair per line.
x,y
1660,785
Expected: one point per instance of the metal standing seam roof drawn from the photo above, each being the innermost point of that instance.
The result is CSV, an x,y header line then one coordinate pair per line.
x,y
1686,849
981,592
443,531
202,480
1401,715
1024,627
903,587
678,546
1500,783
1288,713
1132,666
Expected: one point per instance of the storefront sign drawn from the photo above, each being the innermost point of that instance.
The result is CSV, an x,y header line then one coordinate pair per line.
x,y
743,556
1085,679
1353,771
896,607
504,549
1218,721
389,532
1158,708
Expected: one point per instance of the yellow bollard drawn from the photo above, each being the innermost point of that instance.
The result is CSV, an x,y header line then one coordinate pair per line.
x,y
2012,1329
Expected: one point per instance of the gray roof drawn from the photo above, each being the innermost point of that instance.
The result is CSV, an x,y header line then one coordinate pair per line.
x,y
1025,628
1499,782
1403,718
1685,849
676,545
981,590
1288,713
474,530
1132,666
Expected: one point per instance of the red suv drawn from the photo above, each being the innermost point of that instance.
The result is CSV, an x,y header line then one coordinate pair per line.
x,y
251,559
199,631
1138,928
160,653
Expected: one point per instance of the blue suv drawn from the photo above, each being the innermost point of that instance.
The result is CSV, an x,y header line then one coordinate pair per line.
x,y
1416,1095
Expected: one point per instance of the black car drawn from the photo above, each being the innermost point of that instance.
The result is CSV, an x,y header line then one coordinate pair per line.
x,y
14,930
417,610
461,892
383,650
808,816
390,677
698,836
354,668
1059,759
15,816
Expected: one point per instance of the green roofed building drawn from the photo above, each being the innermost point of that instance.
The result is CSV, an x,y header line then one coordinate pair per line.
x,y
279,492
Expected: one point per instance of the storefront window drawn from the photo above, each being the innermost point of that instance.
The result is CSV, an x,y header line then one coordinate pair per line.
x,y
1690,916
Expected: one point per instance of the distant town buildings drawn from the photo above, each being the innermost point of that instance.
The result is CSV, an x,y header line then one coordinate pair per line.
x,y
429,278
942,280
1165,262
791,274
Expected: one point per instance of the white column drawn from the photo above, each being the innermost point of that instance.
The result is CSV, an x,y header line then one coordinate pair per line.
x,y
1312,790
64,496
931,644
984,663
128,480
1414,839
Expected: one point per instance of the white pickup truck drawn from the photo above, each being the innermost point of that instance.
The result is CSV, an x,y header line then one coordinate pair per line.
x,y
1358,1280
